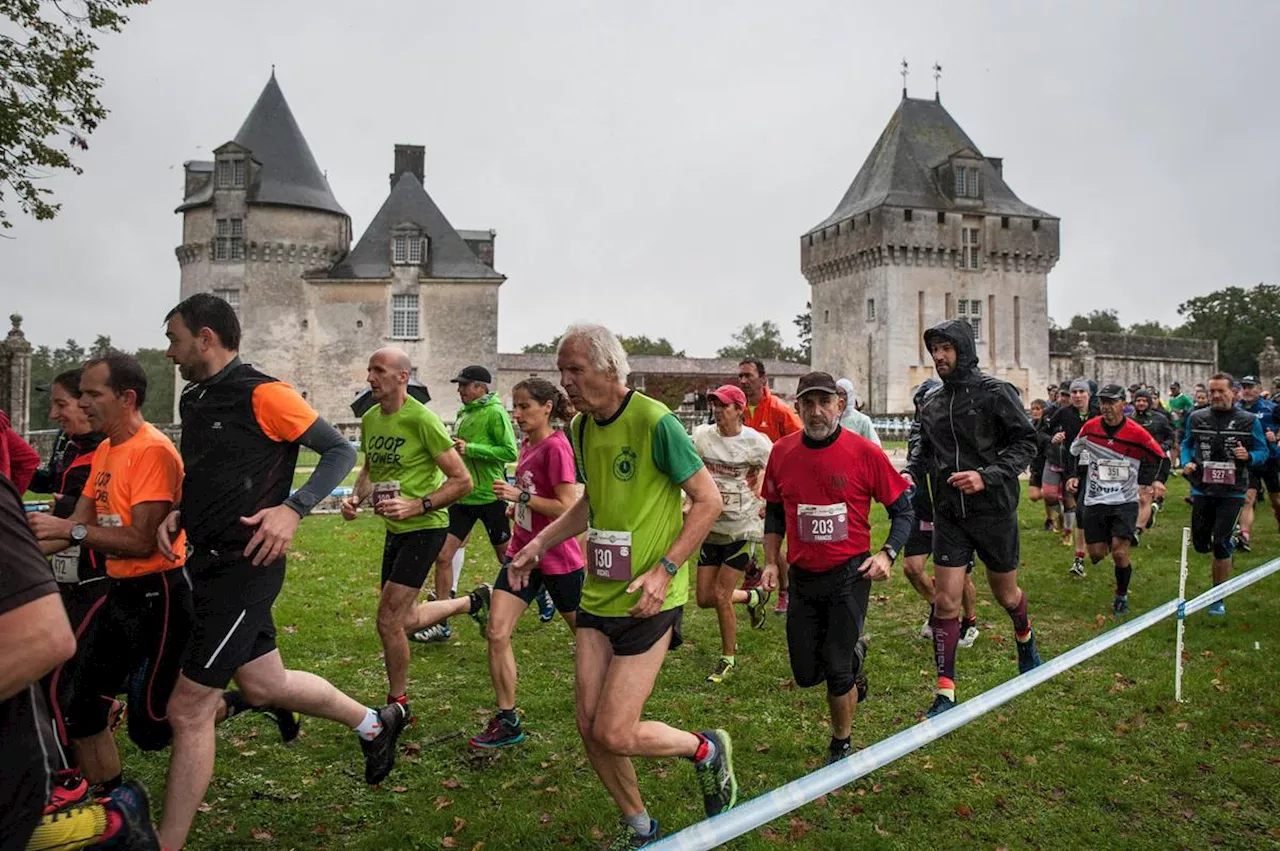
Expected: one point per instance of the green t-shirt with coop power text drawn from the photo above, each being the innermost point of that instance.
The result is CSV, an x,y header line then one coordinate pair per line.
x,y
400,450
632,466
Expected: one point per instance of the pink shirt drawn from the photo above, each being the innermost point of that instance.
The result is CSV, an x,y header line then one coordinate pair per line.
x,y
540,469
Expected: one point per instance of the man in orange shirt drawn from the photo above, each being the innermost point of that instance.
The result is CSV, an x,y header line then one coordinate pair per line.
x,y
135,479
773,418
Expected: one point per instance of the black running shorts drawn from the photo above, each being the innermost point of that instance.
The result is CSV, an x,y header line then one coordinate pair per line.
x,y
407,556
825,614
736,554
633,636
1268,474
233,625
992,539
920,541
1213,522
565,588
85,603
1102,523
492,514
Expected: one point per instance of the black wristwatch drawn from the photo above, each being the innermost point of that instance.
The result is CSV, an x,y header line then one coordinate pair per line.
x,y
670,566
890,552
79,532
426,505
525,496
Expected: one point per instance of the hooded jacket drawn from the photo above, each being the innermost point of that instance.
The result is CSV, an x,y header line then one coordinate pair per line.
x,y
853,419
18,461
484,426
972,422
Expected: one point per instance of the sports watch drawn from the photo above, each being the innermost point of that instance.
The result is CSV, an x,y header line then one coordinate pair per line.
x,y
890,552
525,496
426,504
669,566
79,532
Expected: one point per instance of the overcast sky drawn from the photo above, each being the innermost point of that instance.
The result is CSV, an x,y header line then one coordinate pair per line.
x,y
652,165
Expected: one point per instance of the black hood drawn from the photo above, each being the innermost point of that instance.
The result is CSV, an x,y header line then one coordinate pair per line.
x,y
923,390
959,334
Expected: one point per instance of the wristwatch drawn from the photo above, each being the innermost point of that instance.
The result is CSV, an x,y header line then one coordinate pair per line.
x,y
426,504
525,496
670,566
890,552
79,532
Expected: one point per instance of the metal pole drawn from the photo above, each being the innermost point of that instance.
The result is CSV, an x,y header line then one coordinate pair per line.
x,y
1182,618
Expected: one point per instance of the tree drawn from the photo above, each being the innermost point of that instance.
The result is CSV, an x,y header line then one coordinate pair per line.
x,y
101,345
159,369
47,363
49,92
542,348
1238,319
804,329
1097,320
642,345
763,341
1151,328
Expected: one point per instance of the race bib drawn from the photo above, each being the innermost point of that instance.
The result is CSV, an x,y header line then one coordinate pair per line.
x,y
66,566
524,516
383,491
1219,473
823,524
926,525
109,521
609,554
1110,472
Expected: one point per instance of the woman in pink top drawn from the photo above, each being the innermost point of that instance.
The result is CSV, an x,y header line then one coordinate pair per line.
x,y
546,487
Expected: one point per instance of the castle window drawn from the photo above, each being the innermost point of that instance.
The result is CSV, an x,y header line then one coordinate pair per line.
x,y
871,309
970,248
404,316
942,218
231,173
1004,222
229,241
400,249
906,215
1035,224
968,182
826,316
970,310
231,297
415,251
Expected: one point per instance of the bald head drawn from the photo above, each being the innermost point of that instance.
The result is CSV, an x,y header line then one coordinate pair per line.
x,y
394,358
389,378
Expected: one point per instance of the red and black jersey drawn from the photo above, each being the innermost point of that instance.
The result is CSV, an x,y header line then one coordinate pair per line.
x,y
826,492
65,476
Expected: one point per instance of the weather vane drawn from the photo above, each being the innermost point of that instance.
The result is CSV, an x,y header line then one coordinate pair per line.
x,y
904,73
937,75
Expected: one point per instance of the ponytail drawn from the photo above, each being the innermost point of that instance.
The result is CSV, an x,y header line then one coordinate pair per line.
x,y
542,392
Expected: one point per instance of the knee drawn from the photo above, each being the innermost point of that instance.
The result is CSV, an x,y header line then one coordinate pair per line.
x,y
912,568
1009,599
945,600
1222,550
390,619
586,722
706,598
258,693
613,738
499,637
808,673
189,712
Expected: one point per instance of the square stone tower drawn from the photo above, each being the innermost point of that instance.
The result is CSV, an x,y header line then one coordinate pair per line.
x,y
928,231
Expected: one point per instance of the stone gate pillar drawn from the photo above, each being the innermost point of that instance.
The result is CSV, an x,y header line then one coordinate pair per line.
x,y
1084,358
1268,361
15,376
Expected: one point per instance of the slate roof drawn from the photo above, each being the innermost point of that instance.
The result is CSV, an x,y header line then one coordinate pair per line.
x,y
900,170
288,175
447,255
656,365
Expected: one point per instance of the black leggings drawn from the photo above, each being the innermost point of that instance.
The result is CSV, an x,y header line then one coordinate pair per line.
x,y
824,620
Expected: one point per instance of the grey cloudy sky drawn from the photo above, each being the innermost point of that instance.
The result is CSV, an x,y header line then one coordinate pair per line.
x,y
652,165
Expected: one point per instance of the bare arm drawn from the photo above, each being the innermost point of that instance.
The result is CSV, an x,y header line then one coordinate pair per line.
x,y
37,638
566,494
705,505
137,540
41,526
457,484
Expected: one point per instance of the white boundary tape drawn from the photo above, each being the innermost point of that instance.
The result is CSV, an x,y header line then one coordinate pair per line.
x,y
790,796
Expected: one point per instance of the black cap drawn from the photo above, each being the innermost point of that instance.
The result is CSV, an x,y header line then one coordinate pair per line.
x,y
1173,385
1250,379
472,373
815,382
1112,392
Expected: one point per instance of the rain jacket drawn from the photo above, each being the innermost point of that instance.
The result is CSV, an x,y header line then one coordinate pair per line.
x,y
490,445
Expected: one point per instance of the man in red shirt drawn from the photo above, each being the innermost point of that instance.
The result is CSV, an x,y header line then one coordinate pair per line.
x,y
818,488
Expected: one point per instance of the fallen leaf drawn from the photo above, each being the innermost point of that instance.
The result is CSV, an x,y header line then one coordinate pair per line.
x,y
290,629
762,748
442,802
1232,805
204,808
1188,814
399,788
1183,725
799,827
771,834
413,748
450,783
876,788
261,835
458,824
1029,759
880,831
448,842
963,811
320,829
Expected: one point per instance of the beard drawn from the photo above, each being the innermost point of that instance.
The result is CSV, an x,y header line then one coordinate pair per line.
x,y
820,430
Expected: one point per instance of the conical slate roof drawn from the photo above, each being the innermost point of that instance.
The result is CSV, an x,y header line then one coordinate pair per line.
x,y
901,171
447,256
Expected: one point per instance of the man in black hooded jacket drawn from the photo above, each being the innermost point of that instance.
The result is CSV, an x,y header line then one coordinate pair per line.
x,y
975,440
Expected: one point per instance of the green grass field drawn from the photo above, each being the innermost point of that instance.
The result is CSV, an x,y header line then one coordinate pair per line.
x,y
1100,756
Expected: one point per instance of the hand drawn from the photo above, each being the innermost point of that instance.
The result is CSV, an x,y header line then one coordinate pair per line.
x,y
167,533
46,527
1189,469
528,557
510,512
1241,453
1158,489
967,481
460,445
877,568
1073,484
350,507
1271,436
503,490
1060,437
399,508
518,577
769,577
652,585
275,528
909,479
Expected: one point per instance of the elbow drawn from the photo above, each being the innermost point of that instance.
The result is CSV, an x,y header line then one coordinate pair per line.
x,y
61,645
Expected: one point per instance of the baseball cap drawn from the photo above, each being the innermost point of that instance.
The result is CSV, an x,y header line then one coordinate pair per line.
x,y
1250,379
729,394
473,373
1112,392
1173,385
815,382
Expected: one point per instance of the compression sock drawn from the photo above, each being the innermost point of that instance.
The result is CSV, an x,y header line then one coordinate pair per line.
x,y
1069,520
1021,623
1123,575
458,559
370,727
946,638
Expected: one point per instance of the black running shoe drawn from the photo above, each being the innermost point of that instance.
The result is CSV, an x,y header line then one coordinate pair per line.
x,y
290,723
837,751
480,598
941,703
380,752
715,775
136,832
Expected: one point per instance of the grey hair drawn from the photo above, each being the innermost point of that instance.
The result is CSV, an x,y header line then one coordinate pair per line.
x,y
604,349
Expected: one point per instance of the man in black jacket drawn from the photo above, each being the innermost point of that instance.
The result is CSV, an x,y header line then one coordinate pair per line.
x,y
975,440
1160,427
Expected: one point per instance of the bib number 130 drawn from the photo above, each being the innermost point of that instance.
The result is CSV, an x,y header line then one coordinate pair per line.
x,y
609,554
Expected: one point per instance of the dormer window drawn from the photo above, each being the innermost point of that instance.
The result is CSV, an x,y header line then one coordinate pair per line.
x,y
231,173
408,249
968,181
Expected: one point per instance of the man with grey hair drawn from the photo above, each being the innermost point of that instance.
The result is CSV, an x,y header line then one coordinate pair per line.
x,y
853,419
637,464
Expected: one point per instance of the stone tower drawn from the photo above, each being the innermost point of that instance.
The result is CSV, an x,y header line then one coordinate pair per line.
x,y
928,231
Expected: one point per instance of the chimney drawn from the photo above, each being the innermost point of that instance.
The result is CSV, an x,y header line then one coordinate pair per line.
x,y
998,164
410,158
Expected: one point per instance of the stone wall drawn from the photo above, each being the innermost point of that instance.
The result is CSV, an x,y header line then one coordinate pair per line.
x,y
15,376
1126,359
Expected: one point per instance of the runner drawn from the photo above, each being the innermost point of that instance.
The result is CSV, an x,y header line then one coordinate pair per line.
x,y
18,461
241,431
920,543
635,459
1035,484
818,487
1160,427
411,475
853,419
975,439
770,416
484,438
38,638
80,571
1180,405
1267,473
1115,457
735,455
1064,428
134,480
546,487
1220,445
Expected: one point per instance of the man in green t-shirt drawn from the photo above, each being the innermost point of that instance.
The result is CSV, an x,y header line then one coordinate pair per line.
x,y
411,475
637,463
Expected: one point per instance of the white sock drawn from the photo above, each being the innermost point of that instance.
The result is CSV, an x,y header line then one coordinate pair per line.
x,y
640,822
370,727
458,558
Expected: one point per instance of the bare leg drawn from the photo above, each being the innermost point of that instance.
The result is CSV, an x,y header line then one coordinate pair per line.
x,y
398,613
506,610
842,710
444,567
192,708
98,755
594,654
969,599
1246,513
913,567
1221,570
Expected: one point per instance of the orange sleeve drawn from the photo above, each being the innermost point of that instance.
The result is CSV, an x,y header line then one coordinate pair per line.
x,y
95,467
788,420
283,415
155,476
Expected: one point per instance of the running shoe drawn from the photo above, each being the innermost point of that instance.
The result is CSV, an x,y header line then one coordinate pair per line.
x,y
837,751
860,678
69,788
480,599
431,596
135,831
1137,537
926,630
1068,537
1218,609
1077,568
1028,655
380,752
757,599
781,608
289,723
1120,605
438,634
546,608
752,576
632,838
499,734
970,635
1048,525
721,671
941,703
1242,543
715,774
